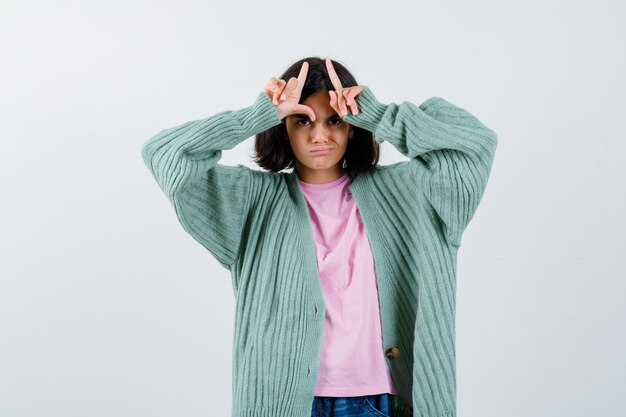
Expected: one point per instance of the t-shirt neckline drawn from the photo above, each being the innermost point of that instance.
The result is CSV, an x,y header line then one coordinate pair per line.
x,y
325,185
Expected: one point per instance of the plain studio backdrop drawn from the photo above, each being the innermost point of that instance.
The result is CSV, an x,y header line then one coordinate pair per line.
x,y
108,308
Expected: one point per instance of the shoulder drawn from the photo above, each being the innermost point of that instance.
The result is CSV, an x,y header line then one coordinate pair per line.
x,y
386,172
267,185
390,180
260,178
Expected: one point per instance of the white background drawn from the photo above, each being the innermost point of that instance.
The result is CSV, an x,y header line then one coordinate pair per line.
x,y
109,309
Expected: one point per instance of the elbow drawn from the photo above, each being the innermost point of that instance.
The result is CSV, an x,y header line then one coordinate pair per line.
x,y
152,150
147,155
152,156
494,137
490,141
494,142
167,165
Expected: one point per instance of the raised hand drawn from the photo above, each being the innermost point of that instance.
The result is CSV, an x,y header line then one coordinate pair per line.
x,y
286,95
342,97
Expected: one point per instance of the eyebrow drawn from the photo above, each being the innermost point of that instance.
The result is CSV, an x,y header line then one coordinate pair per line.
x,y
304,116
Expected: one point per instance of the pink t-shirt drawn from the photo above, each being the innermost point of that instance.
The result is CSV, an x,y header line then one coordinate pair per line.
x,y
352,361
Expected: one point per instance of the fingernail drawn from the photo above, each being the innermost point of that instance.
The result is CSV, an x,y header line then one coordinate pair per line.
x,y
283,96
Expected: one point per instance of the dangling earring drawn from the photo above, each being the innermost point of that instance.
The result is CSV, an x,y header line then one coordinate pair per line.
x,y
344,164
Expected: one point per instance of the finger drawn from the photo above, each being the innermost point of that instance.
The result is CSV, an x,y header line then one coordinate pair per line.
x,y
301,108
353,92
304,69
290,88
269,87
353,107
271,84
349,95
333,101
334,78
278,90
341,103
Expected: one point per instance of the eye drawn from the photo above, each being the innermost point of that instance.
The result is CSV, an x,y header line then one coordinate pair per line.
x,y
335,121
301,120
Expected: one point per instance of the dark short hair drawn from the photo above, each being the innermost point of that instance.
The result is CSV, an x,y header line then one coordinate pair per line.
x,y
272,148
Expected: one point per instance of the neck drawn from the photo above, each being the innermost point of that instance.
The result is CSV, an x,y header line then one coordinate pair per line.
x,y
319,176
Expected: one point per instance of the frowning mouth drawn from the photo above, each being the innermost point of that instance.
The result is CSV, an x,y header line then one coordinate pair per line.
x,y
322,149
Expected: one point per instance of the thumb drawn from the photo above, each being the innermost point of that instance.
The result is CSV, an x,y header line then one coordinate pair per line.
x,y
301,108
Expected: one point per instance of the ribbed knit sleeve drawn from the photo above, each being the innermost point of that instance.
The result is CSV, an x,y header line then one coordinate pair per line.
x,y
211,200
451,152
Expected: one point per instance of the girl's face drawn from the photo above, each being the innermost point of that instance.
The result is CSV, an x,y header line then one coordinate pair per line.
x,y
328,131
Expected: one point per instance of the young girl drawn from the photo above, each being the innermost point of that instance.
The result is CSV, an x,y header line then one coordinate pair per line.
x,y
344,271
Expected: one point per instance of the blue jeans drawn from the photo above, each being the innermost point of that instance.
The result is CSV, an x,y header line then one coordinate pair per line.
x,y
379,405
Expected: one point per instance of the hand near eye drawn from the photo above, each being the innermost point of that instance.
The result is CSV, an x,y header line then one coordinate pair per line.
x,y
286,95
342,97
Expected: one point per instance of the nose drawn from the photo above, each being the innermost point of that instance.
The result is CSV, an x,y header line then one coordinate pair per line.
x,y
320,132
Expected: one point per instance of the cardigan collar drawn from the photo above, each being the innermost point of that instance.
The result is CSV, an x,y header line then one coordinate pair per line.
x,y
293,176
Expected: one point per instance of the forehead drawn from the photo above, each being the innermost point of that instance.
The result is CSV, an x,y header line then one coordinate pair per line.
x,y
320,103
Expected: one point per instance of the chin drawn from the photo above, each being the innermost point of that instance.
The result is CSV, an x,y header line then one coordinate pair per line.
x,y
328,165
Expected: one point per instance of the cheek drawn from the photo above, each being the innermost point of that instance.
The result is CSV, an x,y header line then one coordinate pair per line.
x,y
345,133
298,144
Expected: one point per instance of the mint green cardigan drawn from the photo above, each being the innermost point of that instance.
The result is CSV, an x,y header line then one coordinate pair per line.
x,y
257,225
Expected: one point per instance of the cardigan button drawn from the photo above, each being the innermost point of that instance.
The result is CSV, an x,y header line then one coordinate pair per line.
x,y
393,353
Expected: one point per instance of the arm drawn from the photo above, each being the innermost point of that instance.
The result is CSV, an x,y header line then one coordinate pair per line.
x,y
451,152
211,200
